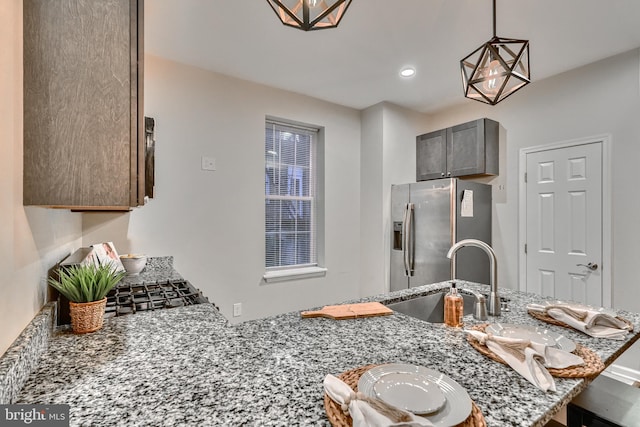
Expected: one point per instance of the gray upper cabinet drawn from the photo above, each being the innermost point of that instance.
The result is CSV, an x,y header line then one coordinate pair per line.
x,y
467,149
83,115
431,155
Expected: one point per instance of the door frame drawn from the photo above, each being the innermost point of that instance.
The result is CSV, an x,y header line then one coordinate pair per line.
x,y
606,268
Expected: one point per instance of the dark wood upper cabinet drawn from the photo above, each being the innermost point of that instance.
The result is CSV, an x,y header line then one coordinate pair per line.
x,y
463,150
83,116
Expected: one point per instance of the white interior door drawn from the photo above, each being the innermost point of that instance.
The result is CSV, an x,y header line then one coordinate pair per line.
x,y
564,228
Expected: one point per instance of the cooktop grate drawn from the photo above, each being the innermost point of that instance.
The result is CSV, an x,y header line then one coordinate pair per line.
x,y
131,298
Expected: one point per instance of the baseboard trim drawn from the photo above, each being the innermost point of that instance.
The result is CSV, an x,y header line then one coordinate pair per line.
x,y
624,374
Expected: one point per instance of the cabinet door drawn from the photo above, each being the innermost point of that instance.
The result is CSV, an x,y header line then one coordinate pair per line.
x,y
465,149
81,103
431,155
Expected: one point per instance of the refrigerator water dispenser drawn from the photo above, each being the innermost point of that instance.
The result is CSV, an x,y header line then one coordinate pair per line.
x,y
397,235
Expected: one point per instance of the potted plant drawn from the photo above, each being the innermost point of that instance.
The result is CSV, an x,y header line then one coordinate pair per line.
x,y
86,287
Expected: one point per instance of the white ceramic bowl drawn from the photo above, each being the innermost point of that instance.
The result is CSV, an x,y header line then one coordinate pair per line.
x,y
133,263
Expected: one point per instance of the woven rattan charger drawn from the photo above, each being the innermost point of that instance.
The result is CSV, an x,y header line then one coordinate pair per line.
x,y
340,419
592,363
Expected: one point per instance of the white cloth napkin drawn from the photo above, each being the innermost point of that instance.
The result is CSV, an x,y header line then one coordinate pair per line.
x,y
362,413
592,322
529,359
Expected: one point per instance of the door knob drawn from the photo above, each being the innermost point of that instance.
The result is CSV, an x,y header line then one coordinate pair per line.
x,y
591,266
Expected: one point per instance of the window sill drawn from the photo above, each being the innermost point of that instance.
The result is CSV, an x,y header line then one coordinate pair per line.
x,y
294,274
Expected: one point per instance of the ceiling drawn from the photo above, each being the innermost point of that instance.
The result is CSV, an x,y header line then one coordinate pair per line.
x,y
358,63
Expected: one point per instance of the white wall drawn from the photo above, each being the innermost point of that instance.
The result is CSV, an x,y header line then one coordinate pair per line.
x,y
213,222
400,128
372,261
388,156
32,239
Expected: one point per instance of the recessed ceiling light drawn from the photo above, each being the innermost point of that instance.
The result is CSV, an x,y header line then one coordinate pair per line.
x,y
407,72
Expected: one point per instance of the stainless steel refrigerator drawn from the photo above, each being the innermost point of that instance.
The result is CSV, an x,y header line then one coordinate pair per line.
x,y
428,217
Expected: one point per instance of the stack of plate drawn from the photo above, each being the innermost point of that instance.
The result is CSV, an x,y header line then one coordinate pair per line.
x,y
420,390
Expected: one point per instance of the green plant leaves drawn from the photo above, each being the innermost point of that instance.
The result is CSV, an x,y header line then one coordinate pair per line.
x,y
86,283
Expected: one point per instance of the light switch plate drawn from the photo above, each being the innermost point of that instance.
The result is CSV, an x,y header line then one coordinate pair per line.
x,y
208,163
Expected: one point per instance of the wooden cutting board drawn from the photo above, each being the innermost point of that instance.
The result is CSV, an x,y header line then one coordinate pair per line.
x,y
350,311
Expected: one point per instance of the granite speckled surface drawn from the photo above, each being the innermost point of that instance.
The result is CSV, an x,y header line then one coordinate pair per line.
x,y
22,356
187,366
156,268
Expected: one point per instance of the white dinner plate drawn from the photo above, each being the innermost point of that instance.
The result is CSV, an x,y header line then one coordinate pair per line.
x,y
410,391
457,406
535,334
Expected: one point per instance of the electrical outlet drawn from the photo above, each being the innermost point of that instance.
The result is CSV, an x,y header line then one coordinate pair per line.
x,y
237,309
208,163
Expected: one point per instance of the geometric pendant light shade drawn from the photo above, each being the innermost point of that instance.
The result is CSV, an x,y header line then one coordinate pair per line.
x,y
496,69
310,15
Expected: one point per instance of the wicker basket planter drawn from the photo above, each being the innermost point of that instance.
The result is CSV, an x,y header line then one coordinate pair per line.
x,y
87,316
86,287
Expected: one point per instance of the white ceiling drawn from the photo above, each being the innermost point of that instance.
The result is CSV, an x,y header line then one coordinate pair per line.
x,y
357,64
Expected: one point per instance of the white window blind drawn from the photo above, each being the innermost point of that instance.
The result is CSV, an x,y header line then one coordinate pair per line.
x,y
290,192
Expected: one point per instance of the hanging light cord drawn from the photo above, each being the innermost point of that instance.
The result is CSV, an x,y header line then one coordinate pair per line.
x,y
494,18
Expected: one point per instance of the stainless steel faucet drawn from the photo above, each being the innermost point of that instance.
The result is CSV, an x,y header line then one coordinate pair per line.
x,y
479,303
494,299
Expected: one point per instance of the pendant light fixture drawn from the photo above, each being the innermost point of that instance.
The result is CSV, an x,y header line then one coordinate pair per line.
x,y
496,69
310,15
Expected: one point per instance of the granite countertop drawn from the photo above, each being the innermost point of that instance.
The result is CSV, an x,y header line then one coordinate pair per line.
x,y
156,269
188,366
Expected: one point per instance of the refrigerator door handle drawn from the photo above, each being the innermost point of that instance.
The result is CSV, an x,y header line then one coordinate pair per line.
x,y
412,240
405,253
408,244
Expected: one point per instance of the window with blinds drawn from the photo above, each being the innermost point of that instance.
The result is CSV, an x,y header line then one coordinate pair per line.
x,y
290,195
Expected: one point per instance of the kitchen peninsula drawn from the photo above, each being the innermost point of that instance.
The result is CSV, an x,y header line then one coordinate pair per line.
x,y
188,366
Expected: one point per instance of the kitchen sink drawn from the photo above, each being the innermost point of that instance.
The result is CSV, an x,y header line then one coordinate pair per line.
x,y
430,308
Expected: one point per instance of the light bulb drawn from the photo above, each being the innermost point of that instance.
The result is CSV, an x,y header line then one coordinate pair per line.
x,y
313,3
491,85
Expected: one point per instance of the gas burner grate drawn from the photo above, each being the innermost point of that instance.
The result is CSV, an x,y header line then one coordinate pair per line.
x,y
131,298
